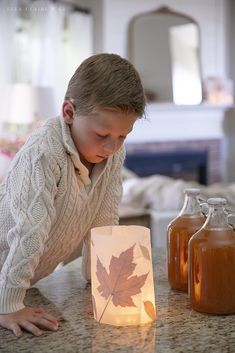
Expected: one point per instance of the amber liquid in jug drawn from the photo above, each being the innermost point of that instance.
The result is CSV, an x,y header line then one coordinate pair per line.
x,y
179,231
212,263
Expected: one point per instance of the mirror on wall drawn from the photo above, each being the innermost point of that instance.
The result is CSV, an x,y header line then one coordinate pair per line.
x,y
164,46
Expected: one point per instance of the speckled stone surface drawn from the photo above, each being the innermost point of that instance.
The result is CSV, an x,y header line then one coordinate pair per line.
x,y
178,329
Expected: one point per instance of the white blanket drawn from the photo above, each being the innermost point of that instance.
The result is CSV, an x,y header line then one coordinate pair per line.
x,y
162,193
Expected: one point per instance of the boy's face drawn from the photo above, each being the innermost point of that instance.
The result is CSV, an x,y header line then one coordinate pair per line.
x,y
101,133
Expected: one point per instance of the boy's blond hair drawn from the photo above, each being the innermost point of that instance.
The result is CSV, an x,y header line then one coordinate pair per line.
x,y
106,80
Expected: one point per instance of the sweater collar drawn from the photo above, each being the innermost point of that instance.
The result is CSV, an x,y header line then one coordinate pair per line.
x,y
71,150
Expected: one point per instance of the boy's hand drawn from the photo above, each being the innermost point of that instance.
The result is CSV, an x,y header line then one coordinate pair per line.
x,y
30,319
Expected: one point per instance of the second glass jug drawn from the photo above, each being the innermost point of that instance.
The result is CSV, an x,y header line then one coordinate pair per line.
x,y
212,262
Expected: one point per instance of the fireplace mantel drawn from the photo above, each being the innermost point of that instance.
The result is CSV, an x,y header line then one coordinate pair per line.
x,y
170,122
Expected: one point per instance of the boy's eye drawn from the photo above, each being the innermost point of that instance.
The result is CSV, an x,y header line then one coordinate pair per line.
x,y
101,136
105,136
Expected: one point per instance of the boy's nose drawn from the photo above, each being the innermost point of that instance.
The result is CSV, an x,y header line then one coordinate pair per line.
x,y
110,146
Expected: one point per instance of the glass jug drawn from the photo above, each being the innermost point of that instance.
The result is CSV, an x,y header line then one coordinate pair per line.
x,y
179,231
212,263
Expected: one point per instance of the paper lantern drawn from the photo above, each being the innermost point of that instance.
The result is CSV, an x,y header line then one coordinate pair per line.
x,y
122,276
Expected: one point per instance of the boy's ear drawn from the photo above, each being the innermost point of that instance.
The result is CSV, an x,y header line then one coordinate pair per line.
x,y
68,111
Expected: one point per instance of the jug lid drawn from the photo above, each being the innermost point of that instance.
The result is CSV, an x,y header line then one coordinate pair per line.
x,y
192,191
217,201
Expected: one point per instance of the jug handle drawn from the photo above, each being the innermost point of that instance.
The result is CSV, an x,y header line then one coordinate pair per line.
x,y
205,210
231,220
204,207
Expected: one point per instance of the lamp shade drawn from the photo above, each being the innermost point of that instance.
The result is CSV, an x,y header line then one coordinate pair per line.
x,y
27,103
122,276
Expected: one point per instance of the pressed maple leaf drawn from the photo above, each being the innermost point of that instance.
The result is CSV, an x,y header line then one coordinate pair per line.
x,y
145,252
118,285
150,310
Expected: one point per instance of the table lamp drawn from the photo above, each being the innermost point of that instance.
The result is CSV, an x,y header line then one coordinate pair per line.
x,y
26,104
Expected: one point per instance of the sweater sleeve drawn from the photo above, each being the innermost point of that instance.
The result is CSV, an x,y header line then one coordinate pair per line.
x,y
108,211
30,192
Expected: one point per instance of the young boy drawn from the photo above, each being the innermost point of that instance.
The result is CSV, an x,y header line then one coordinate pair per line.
x,y
65,180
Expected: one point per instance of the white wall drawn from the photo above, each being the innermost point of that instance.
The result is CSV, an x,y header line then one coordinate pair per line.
x,y
111,19
231,38
210,14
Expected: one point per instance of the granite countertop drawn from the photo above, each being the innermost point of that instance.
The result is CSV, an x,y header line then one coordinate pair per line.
x,y
67,296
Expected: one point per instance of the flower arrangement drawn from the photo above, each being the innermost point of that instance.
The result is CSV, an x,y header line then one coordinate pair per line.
x,y
10,146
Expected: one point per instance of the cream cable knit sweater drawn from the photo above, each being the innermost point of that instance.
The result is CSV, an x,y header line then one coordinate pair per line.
x,y
48,204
